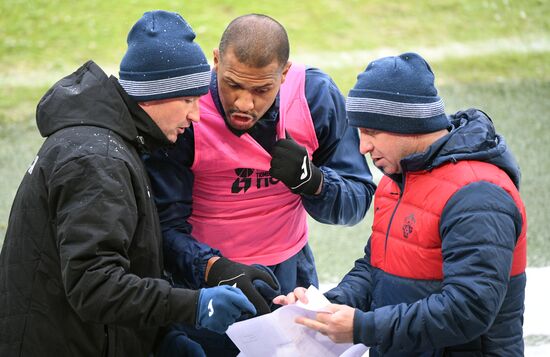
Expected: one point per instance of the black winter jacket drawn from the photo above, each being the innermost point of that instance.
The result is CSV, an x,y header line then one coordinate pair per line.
x,y
81,262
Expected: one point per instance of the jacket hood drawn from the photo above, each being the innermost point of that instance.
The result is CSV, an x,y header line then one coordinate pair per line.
x,y
85,97
472,137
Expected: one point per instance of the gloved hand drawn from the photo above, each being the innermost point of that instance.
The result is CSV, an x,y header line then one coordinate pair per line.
x,y
228,272
264,289
221,306
290,164
176,343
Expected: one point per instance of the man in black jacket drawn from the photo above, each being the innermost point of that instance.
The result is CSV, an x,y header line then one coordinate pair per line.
x,y
81,264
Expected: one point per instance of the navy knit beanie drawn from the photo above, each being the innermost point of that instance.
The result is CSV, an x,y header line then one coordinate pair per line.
x,y
397,94
162,61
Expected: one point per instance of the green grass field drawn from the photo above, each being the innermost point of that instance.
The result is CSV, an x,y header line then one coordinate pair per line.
x,y
487,54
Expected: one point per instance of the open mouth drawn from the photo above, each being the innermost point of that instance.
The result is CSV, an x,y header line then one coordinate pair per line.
x,y
243,118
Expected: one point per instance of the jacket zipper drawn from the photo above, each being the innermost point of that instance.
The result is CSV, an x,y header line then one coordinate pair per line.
x,y
401,191
105,351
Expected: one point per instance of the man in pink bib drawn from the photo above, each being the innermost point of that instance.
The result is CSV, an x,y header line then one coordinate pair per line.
x,y
272,146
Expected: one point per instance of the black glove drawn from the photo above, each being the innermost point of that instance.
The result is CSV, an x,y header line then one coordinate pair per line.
x,y
228,272
290,163
263,288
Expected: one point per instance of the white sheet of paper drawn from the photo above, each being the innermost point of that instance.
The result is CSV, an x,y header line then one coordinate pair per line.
x,y
277,335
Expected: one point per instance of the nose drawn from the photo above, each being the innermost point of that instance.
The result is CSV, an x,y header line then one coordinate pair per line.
x,y
365,144
245,101
194,114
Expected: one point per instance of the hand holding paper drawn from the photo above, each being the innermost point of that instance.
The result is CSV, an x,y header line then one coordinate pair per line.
x,y
337,324
278,334
299,294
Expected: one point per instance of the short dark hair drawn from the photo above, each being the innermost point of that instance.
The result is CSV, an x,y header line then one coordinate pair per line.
x,y
256,40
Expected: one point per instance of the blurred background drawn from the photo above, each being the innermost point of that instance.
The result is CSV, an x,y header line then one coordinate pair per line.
x,y
493,55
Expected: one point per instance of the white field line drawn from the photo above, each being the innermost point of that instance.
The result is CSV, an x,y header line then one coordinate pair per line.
x,y
326,59
432,54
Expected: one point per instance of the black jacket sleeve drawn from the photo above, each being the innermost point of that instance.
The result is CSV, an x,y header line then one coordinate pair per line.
x,y
96,217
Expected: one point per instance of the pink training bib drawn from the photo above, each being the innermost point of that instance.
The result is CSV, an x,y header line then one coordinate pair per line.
x,y
238,207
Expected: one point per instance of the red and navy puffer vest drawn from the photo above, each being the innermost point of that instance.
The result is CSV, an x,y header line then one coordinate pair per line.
x,y
406,241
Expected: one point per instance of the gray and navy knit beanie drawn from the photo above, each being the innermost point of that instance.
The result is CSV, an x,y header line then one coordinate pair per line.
x,y
398,95
162,61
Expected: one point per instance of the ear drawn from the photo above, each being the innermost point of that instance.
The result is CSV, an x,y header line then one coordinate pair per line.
x,y
216,54
285,71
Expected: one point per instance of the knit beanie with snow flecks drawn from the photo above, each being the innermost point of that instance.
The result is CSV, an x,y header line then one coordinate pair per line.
x,y
162,60
397,94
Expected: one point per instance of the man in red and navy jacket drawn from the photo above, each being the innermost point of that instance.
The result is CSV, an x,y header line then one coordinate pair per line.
x,y
444,269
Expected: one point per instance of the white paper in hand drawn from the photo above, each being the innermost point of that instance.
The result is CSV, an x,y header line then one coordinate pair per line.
x,y
277,334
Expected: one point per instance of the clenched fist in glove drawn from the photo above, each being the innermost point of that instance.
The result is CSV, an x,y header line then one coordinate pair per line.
x,y
253,281
221,306
290,164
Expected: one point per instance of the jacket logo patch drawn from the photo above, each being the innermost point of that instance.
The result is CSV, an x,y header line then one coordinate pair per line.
x,y
247,178
32,165
304,168
408,225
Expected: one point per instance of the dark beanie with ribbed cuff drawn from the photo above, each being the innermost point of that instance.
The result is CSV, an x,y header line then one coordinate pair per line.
x,y
398,95
162,60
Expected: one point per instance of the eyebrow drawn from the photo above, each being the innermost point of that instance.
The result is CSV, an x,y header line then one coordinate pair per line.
x,y
368,131
231,80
